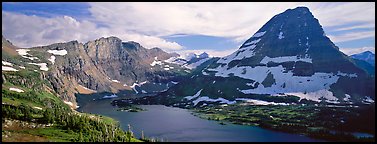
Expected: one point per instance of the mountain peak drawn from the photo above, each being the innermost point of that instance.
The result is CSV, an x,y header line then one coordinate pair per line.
x,y
368,52
203,55
300,9
367,56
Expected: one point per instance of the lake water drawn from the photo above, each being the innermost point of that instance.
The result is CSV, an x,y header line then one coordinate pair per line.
x,y
176,124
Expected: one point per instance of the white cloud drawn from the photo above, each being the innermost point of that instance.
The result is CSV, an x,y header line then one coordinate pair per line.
x,y
28,31
213,19
336,14
359,26
351,51
147,22
352,36
234,20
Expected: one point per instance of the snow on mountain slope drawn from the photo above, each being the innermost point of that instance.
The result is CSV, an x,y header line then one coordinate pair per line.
x,y
189,60
288,56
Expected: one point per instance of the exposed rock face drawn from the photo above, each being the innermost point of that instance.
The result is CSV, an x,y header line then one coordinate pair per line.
x,y
105,64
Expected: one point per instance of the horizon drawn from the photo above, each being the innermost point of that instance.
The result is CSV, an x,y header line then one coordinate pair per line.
x,y
178,27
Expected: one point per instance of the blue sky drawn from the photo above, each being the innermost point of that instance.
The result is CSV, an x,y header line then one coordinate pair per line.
x,y
216,28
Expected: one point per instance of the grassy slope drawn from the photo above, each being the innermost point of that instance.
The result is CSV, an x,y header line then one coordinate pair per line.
x,y
37,93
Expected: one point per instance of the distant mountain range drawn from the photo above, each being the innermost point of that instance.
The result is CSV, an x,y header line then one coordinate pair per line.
x,y
365,61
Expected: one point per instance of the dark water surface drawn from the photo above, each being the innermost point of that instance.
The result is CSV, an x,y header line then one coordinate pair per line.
x,y
176,124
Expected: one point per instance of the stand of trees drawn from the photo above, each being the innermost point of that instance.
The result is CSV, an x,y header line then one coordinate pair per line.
x,y
89,129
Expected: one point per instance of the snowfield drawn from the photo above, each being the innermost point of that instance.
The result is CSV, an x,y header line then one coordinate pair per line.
x,y
5,68
259,34
137,84
194,96
7,63
52,59
110,96
194,65
43,66
267,59
23,53
368,100
156,62
58,52
306,87
259,102
280,36
205,98
16,90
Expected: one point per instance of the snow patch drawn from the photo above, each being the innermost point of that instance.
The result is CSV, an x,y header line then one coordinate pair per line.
x,y
309,87
68,103
22,67
251,84
267,59
316,95
5,68
38,108
345,74
7,63
23,53
259,34
368,100
174,82
194,96
280,36
260,102
156,62
58,52
252,42
115,81
52,59
205,98
347,98
110,96
240,54
43,66
16,90
194,65
137,84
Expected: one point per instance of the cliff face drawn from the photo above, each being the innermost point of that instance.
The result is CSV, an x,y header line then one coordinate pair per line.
x,y
105,64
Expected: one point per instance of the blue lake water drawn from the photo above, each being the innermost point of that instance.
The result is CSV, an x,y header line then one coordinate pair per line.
x,y
176,124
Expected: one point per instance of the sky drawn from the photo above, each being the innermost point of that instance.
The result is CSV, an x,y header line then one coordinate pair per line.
x,y
216,28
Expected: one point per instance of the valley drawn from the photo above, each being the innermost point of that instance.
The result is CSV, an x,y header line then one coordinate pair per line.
x,y
175,124
287,82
